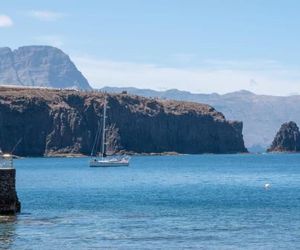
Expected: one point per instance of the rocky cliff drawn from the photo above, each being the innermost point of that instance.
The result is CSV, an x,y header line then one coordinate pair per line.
x,y
39,66
66,121
287,138
262,115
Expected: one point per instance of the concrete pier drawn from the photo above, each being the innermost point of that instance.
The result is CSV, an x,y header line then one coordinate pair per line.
x,y
9,203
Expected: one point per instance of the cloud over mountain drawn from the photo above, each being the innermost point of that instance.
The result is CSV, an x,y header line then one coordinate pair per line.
x,y
5,21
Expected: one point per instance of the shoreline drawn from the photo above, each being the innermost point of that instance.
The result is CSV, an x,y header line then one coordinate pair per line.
x,y
72,155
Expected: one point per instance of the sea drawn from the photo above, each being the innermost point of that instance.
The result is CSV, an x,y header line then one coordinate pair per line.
x,y
241,201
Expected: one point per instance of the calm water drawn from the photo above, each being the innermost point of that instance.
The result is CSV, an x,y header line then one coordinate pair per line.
x,y
200,202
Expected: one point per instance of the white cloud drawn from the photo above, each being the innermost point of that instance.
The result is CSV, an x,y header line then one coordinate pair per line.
x,y
5,21
263,77
46,15
52,40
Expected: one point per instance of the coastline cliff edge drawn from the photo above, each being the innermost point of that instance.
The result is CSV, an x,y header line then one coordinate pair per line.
x,y
51,122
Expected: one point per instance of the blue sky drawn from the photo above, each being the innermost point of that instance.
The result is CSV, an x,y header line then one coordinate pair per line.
x,y
200,46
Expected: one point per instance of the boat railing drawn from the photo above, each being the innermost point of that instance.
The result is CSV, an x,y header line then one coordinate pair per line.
x,y
6,161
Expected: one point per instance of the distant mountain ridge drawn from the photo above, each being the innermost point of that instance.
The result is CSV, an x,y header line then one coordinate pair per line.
x,y
43,66
262,115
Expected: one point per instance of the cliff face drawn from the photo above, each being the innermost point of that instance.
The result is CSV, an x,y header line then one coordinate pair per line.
x,y
39,66
52,121
287,139
262,115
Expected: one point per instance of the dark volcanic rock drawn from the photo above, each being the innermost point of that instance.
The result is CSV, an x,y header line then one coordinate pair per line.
x,y
39,66
287,139
58,122
262,115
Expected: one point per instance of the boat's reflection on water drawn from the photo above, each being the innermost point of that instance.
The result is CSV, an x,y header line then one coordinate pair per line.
x,y
7,231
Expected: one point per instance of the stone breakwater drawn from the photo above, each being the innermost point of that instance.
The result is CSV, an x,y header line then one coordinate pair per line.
x,y
9,203
53,122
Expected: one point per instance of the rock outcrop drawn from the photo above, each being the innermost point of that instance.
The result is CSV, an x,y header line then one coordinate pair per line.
x,y
66,121
39,66
287,139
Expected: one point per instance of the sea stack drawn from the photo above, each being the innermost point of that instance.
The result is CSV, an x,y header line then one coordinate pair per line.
x,y
9,202
287,139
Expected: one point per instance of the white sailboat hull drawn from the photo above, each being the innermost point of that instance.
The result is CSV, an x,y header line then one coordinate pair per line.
x,y
109,163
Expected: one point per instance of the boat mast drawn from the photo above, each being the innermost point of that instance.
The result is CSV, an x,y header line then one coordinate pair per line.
x,y
103,130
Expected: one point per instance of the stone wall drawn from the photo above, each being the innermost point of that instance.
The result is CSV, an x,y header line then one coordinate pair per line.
x,y
9,203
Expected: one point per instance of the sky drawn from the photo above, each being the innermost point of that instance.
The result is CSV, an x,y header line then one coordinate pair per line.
x,y
195,45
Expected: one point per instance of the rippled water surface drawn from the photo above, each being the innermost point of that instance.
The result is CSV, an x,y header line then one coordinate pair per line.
x,y
198,202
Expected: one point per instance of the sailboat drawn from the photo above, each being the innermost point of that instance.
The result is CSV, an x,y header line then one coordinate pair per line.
x,y
104,160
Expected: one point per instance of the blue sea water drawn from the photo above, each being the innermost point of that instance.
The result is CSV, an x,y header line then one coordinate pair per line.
x,y
161,202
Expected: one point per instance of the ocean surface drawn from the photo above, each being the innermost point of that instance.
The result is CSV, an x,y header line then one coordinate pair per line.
x,y
161,202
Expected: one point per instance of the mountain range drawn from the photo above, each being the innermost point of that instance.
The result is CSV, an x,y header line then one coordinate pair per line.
x,y
49,67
